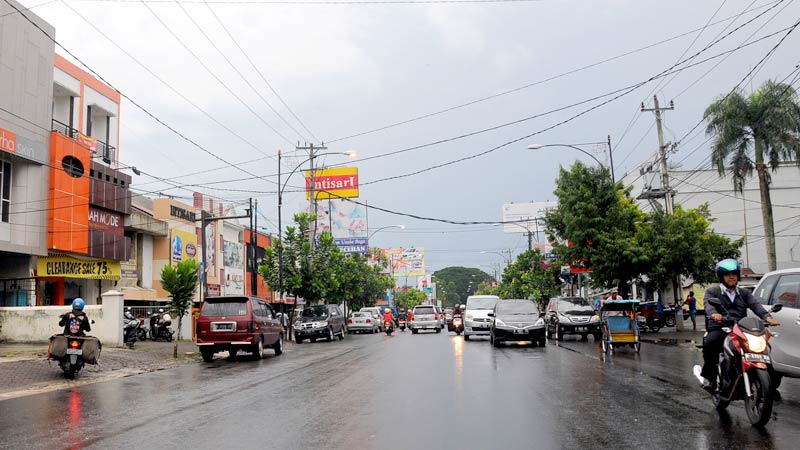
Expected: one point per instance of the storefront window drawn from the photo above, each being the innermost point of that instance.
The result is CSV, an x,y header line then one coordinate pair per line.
x,y
5,190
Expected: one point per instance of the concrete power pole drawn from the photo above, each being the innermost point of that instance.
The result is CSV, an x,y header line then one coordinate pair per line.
x,y
312,198
662,152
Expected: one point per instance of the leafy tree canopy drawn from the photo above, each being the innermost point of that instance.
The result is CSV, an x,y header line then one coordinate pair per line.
x,y
455,284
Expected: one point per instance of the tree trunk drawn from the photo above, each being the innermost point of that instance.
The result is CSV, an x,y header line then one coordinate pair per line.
x,y
177,338
766,206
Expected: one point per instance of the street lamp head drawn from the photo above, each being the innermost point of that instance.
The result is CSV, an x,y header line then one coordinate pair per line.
x,y
402,227
351,153
535,146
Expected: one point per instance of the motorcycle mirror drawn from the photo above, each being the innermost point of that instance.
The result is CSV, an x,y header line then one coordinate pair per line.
x,y
776,307
92,321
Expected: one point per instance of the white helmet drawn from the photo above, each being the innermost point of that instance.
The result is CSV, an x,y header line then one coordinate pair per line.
x,y
161,310
387,310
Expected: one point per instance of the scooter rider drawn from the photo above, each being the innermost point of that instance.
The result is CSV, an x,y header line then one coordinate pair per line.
x,y
387,316
736,301
75,322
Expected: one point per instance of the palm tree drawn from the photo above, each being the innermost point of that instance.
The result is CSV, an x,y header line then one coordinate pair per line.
x,y
751,132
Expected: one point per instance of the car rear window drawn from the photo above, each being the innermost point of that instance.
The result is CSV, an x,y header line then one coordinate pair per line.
x,y
362,314
424,310
228,307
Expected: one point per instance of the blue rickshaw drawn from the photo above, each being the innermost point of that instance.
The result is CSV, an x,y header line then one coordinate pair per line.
x,y
619,325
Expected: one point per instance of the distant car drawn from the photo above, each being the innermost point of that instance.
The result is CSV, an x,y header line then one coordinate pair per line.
x,y
517,320
440,312
319,322
572,315
377,313
425,318
476,315
362,322
783,286
238,323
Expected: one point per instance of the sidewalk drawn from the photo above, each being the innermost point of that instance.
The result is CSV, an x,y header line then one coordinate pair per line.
x,y
25,370
671,336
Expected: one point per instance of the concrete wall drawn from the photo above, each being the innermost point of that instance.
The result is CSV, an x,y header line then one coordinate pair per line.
x,y
38,323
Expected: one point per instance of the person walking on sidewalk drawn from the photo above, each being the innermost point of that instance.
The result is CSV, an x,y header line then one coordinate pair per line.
x,y
692,303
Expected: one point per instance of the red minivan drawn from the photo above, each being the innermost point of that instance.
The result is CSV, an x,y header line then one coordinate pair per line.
x,y
238,323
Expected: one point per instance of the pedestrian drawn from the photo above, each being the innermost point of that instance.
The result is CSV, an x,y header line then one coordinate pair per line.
x,y
692,303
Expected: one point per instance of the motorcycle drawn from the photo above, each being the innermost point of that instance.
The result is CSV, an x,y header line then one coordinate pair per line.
x,y
458,325
159,329
745,366
650,319
130,329
389,327
402,325
73,352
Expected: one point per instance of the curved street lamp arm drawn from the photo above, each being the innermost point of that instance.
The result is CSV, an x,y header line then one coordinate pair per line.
x,y
578,149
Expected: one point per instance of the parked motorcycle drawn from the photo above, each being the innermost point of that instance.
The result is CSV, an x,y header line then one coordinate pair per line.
x,y
159,327
745,366
652,317
402,325
458,325
130,329
388,327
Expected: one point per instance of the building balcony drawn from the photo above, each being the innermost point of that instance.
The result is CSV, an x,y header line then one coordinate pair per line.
x,y
99,148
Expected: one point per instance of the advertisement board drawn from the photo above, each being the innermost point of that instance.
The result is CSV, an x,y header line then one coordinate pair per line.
x,y
522,217
183,245
353,245
211,248
334,183
71,267
406,262
233,263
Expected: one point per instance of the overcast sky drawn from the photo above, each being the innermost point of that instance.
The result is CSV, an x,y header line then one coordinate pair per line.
x,y
348,68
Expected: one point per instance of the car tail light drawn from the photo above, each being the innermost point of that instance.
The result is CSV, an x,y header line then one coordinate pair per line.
x,y
349,320
369,321
435,316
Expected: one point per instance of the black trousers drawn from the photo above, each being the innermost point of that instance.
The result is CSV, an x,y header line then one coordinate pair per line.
x,y
712,347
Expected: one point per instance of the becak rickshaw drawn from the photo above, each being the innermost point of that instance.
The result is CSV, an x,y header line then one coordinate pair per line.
x,y
619,324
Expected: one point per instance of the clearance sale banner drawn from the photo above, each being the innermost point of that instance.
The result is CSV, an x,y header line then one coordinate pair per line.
x,y
333,183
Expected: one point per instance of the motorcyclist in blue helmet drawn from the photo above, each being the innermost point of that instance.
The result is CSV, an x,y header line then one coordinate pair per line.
x,y
75,322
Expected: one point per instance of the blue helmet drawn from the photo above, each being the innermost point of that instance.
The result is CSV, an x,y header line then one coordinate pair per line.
x,y
78,304
727,266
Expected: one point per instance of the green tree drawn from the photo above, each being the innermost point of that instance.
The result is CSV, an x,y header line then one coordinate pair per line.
x,y
530,277
308,271
682,245
359,282
181,283
409,298
458,283
595,225
751,132
486,288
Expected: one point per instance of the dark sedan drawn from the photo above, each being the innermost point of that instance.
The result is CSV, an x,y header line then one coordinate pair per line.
x,y
517,320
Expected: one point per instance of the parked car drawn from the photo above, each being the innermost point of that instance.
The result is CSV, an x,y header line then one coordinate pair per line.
x,y
425,318
319,321
476,316
362,322
783,286
572,315
440,312
517,320
238,323
377,313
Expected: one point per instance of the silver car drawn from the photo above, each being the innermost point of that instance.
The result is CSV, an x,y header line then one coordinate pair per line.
x,y
377,313
783,286
425,318
362,322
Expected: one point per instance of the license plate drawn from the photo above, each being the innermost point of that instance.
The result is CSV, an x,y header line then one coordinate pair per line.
x,y
74,351
223,326
580,329
520,331
756,357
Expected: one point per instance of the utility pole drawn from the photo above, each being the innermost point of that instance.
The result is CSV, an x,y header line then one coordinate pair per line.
x,y
611,160
662,152
312,198
254,244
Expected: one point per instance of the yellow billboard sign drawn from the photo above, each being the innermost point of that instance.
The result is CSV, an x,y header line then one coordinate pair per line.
x,y
337,182
183,245
71,267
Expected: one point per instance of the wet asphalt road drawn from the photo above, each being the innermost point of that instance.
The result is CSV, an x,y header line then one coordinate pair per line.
x,y
425,391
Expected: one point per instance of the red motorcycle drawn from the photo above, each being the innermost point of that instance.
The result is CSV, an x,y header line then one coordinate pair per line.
x,y
745,366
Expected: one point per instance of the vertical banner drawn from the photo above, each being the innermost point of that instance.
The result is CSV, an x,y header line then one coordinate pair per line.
x,y
233,263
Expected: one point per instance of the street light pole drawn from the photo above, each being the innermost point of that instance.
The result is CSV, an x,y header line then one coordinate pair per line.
x,y
538,146
402,227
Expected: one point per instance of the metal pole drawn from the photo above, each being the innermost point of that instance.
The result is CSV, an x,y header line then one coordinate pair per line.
x,y
611,159
312,197
280,243
204,273
254,238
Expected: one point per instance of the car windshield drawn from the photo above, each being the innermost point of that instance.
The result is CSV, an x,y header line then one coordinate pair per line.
x,y
424,310
575,306
315,311
482,303
507,308
228,307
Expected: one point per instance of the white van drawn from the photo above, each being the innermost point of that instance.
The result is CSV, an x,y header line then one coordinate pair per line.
x,y
476,317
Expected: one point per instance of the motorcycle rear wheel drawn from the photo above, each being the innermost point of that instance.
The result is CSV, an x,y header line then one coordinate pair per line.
x,y
759,408
669,320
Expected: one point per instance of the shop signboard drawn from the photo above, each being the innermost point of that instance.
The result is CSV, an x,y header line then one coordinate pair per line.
x,y
338,182
233,263
8,141
108,221
183,245
353,245
84,268
213,290
523,217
